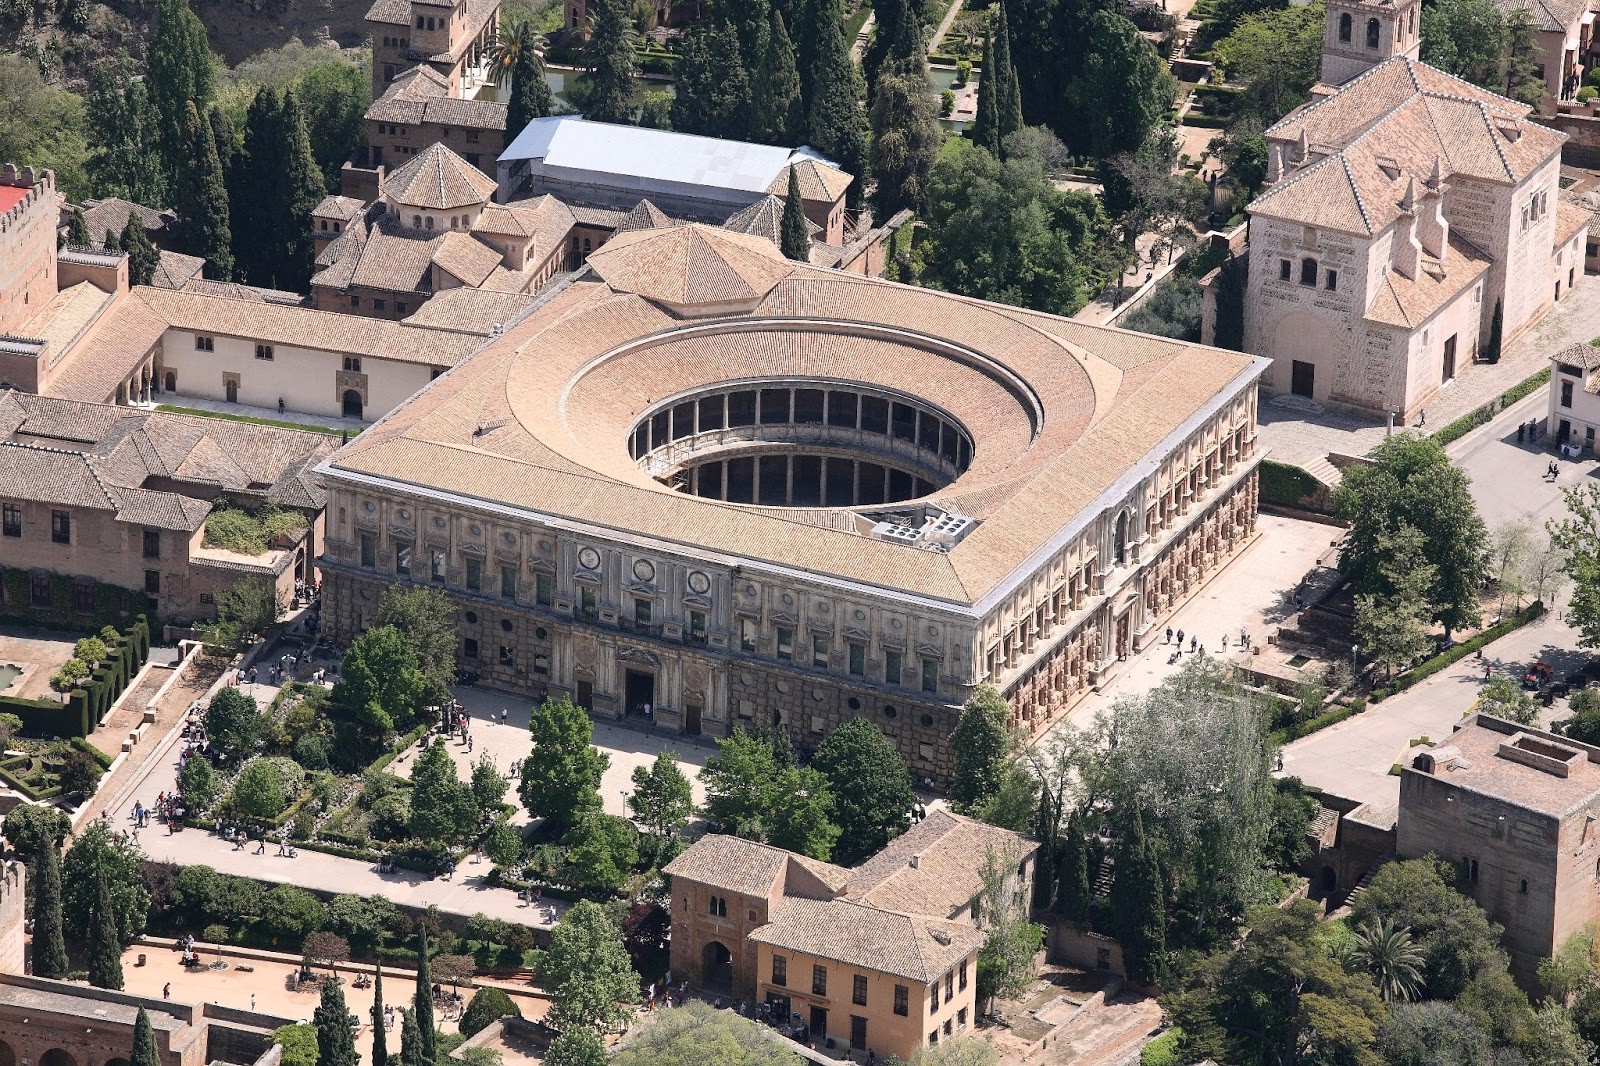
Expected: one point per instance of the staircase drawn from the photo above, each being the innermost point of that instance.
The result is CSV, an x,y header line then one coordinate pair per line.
x,y
1361,886
1324,471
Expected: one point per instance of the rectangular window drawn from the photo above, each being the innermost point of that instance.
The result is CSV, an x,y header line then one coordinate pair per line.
x,y
1566,394
747,634
961,1018
902,1000
780,970
641,611
204,344
697,626
474,574
541,664
930,675
1331,280
819,980
963,975
469,648
544,589
891,667
436,566
83,597
61,527
508,582
152,582
402,557
377,305
819,652
152,544
949,987
1284,267
1308,272
785,643
858,990
588,604
39,591
369,550
355,301
264,351
858,659
13,520
933,998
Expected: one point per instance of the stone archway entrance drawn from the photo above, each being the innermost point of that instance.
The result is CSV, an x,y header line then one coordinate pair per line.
x,y
352,403
57,1057
716,968
8,1057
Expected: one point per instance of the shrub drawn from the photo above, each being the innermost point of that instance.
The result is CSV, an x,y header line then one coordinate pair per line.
x,y
1285,485
250,534
1587,93
963,71
1163,1050
488,1005
266,786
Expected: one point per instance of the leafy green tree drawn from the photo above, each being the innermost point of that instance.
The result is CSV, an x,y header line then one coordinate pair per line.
x,y
178,71
105,947
1387,953
561,777
602,850
235,724
1411,481
1392,626
1483,44
592,985
503,845
336,1045
380,1031
1458,942
258,791
291,914
796,234
713,95
1504,698
410,1038
422,1006
80,774
381,683
1277,53
1575,536
126,160
302,189
1434,1033
201,199
906,139
1005,962
835,123
97,856
1584,725
489,786
697,1034
142,255
982,743
1123,92
244,612
871,787
488,1004
78,231
32,827
530,93
999,97
335,97
986,122
197,782
1138,901
145,1050
426,618
576,1047
49,947
609,62
662,801
442,807
753,793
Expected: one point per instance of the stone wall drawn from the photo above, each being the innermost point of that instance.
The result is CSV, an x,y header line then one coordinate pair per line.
x,y
13,918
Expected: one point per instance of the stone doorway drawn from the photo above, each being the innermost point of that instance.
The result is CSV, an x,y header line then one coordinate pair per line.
x,y
639,691
352,404
691,719
716,968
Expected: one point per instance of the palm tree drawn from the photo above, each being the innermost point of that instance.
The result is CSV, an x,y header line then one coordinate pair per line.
x,y
508,47
1388,954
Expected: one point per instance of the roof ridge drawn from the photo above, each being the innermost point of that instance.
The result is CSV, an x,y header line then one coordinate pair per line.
x,y
1355,190
84,457
1305,109
1494,138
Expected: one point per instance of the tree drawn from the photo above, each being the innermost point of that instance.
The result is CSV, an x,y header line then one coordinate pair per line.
x,y
489,786
1393,627
1138,902
1074,893
1277,53
380,1031
906,139
1005,962
488,1005
49,948
78,231
126,159
1491,347
835,123
1478,42
662,801
410,1039
576,1047
602,850
503,845
1123,92
97,856
145,1050
960,1051
290,914
999,98
442,808
753,793
381,682
328,948
986,122
235,724
276,186
421,1015
796,233
142,255
1410,481
32,827
592,986
426,618
201,199
697,1034
259,792
80,774
1584,725
1578,537
301,190
336,97
244,612
1457,940
1503,697
713,94
178,71
197,782
530,93
105,947
609,62
1388,954
982,743
778,117
336,1044
561,777
1511,548
871,787
1434,1033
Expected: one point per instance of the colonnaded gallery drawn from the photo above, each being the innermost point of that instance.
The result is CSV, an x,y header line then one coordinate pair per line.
x,y
733,489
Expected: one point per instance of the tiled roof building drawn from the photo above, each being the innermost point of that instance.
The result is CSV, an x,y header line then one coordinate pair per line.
x,y
883,957
1402,207
745,490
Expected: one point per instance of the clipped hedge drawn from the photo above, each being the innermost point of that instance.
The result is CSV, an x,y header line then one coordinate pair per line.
x,y
100,757
47,718
1205,122
1321,721
1482,415
1460,651
1285,485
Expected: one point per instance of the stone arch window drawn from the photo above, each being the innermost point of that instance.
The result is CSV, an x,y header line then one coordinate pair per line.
x,y
1372,33
1120,545
1308,271
1345,27
416,221
427,223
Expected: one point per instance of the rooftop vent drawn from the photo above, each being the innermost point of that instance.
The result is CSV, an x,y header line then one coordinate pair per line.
x,y
941,936
1541,754
892,531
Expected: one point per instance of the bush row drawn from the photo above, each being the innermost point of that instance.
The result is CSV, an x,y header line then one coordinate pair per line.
x,y
1479,416
1284,484
1460,651
1321,721
88,703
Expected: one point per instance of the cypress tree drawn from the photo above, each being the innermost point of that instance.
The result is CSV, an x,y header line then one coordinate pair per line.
x,y
78,230
835,122
1139,902
112,242
301,188
336,1044
105,951
886,19
779,116
49,948
427,1047
609,59
178,72
380,1041
1008,95
410,1039
202,205
142,255
530,93
222,135
712,88
1072,899
906,138
251,190
796,235
1491,350
986,125
145,1051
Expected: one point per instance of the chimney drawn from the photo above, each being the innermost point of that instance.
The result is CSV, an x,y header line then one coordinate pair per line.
x,y
1407,251
1433,229
1274,161
916,862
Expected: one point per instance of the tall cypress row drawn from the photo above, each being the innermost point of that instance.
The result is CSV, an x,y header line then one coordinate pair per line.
x,y
49,947
380,1040
78,230
1073,895
1140,902
1008,97
178,72
427,1047
142,255
302,189
986,124
202,200
251,189
105,950
410,1039
609,60
835,122
778,112
336,1043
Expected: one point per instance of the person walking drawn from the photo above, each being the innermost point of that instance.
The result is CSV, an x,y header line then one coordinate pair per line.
x,y
166,990
1169,636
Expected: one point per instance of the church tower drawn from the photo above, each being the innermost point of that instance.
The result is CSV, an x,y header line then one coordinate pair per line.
x,y
1363,33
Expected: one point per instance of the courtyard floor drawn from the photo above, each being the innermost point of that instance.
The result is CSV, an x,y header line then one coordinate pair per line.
x,y
39,655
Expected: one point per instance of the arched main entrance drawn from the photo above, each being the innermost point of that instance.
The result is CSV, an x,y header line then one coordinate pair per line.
x,y
116,1062
716,968
8,1057
352,403
57,1057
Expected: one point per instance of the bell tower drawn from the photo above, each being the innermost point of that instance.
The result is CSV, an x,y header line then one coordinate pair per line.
x,y
1363,33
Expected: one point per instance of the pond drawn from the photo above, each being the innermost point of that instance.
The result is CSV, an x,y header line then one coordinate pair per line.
x,y
8,674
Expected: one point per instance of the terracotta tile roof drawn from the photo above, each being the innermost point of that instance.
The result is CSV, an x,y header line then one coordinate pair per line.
x,y
468,261
764,218
818,180
342,208
467,310
422,94
691,264
69,312
1582,354
174,270
1550,16
437,179
1406,302
124,340
645,215
1571,219
545,218
917,948
390,12
729,862
112,214
949,852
